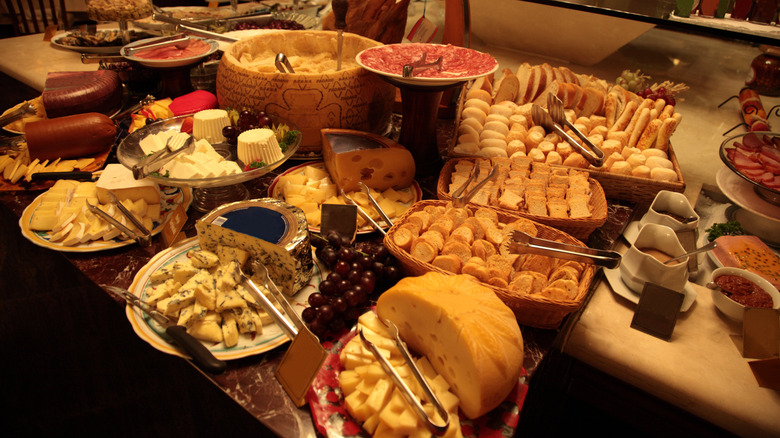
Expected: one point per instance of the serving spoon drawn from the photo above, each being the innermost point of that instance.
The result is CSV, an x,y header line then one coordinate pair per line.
x,y
708,247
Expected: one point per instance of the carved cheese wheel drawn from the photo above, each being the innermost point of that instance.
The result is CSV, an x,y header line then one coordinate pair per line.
x,y
467,333
75,92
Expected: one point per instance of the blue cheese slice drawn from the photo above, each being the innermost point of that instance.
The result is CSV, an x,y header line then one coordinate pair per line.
x,y
280,264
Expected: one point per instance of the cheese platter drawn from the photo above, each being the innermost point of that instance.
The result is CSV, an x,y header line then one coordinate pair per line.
x,y
248,344
401,199
173,198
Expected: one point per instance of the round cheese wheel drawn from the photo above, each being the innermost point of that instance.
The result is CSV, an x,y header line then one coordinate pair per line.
x,y
467,333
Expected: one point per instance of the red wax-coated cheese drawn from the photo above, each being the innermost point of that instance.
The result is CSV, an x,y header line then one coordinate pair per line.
x,y
79,135
76,92
191,103
352,157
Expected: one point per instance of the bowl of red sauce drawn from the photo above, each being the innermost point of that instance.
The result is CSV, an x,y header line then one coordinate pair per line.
x,y
739,289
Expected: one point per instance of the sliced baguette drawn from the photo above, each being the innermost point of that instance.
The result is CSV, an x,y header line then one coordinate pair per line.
x,y
508,88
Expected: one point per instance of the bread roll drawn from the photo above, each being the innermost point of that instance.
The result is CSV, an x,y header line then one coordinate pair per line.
x,y
497,126
641,171
474,112
653,162
480,94
474,342
472,122
477,103
663,174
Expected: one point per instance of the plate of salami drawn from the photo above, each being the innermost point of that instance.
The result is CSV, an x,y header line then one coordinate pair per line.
x,y
755,157
458,64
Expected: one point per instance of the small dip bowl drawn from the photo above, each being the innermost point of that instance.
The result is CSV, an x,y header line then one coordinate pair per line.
x,y
731,308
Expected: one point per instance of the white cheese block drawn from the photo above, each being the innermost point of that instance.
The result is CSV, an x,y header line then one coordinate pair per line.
x,y
208,124
259,145
119,180
467,333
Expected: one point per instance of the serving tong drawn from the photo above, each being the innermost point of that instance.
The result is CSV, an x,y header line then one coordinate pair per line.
x,y
459,198
406,392
283,64
143,236
555,106
375,204
157,160
420,65
180,41
17,114
522,243
287,319
199,353
544,119
363,213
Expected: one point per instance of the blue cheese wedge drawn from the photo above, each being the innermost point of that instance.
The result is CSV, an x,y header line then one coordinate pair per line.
x,y
203,259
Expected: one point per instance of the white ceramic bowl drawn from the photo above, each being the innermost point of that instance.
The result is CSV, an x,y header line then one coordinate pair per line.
x,y
731,308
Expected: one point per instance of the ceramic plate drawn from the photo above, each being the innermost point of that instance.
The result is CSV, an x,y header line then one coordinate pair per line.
x,y
101,50
274,192
169,63
41,238
248,345
620,288
742,193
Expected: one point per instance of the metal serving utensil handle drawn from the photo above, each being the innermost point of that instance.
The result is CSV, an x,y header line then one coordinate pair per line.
x,y
459,200
17,114
285,324
523,242
375,204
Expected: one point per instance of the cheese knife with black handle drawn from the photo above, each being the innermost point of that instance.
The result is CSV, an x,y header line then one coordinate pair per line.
x,y
200,354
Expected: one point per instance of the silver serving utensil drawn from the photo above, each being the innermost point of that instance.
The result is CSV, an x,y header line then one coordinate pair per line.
x,y
375,204
157,160
167,18
522,243
286,323
421,64
143,236
188,29
363,213
459,199
180,41
406,392
283,64
17,114
555,107
199,353
542,118
708,247
340,8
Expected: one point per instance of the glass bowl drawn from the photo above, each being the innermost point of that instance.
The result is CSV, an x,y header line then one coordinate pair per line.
x,y
769,194
208,193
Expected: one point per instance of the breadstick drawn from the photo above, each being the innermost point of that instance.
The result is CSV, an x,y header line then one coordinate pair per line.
x,y
666,131
625,117
647,140
667,112
659,105
610,108
637,114
639,127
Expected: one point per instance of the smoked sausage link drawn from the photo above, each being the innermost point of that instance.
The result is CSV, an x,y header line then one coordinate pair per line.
x,y
79,135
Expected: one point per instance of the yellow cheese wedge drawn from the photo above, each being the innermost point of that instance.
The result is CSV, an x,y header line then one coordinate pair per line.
x,y
119,180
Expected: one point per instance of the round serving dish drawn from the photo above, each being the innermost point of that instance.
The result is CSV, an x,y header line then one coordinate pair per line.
x,y
731,308
769,194
168,63
209,193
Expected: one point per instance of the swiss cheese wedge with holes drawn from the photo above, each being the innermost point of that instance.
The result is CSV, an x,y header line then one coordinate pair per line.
x,y
467,333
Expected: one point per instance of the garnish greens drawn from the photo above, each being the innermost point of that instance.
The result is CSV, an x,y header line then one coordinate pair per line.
x,y
730,228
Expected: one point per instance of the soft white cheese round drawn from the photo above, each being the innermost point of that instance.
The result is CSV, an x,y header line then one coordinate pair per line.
x,y
259,145
208,124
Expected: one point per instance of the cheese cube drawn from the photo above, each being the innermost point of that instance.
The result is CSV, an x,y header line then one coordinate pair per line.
x,y
119,180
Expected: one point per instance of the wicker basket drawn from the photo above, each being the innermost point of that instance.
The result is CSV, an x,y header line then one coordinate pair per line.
x,y
530,310
615,186
579,228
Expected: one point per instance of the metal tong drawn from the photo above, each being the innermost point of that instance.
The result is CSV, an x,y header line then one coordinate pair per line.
x,y
289,321
363,213
167,18
283,64
198,31
17,114
157,160
375,204
542,118
459,199
406,392
521,242
421,64
143,236
199,353
179,40
555,107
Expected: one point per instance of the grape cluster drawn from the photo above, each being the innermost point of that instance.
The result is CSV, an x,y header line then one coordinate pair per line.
x,y
357,272
658,93
631,80
244,121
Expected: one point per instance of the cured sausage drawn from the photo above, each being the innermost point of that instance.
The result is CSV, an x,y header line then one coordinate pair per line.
x,y
73,136
752,110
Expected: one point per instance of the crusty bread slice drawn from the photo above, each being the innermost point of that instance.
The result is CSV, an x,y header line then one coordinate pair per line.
x,y
525,82
552,88
594,103
539,83
508,88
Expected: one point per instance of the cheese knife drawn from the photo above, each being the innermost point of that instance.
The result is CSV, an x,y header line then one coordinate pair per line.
x,y
199,353
340,12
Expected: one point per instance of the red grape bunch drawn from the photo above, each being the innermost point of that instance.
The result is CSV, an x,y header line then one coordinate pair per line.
x,y
357,273
244,121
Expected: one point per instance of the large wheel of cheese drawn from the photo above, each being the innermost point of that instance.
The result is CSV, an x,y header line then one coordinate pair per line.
x,y
467,333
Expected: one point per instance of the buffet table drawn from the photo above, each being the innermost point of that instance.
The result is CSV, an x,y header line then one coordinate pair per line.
x,y
600,336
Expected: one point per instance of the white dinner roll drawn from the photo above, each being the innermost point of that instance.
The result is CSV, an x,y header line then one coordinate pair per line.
x,y
620,167
479,94
497,118
515,146
474,112
517,118
553,158
627,152
610,147
469,138
489,133
493,143
653,162
467,129
663,174
518,154
613,158
641,171
493,152
477,103
652,152
504,110
536,155
466,148
497,126
546,146
473,122
636,160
